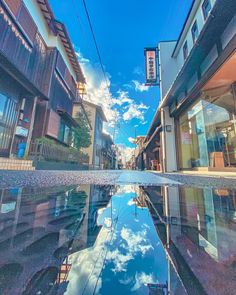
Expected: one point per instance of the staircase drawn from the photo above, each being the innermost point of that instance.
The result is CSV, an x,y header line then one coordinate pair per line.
x,y
16,164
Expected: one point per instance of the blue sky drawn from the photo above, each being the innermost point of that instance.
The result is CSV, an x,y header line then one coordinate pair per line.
x,y
122,29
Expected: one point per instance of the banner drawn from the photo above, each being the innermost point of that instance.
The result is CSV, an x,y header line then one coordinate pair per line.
x,y
151,66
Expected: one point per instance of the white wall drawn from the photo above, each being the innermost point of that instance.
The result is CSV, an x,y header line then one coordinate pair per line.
x,y
168,66
171,66
168,142
49,38
196,15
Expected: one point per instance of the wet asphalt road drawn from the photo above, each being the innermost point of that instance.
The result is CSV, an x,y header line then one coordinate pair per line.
x,y
45,178
58,178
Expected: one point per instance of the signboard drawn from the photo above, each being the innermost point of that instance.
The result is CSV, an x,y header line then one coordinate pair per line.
x,y
21,131
151,66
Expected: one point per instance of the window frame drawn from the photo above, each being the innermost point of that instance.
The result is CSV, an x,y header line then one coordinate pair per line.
x,y
185,50
195,24
204,5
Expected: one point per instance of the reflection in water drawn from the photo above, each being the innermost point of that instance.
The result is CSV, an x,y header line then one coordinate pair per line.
x,y
198,229
94,239
125,253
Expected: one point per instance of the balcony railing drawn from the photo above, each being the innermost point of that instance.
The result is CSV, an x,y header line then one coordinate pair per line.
x,y
30,57
44,151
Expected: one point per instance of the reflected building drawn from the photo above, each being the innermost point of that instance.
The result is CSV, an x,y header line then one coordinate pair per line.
x,y
39,229
197,228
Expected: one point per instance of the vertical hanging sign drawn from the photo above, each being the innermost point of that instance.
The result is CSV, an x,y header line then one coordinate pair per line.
x,y
151,66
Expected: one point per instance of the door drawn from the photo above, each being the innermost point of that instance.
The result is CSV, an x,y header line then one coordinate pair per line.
x,y
8,119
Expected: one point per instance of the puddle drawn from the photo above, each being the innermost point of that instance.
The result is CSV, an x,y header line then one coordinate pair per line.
x,y
129,239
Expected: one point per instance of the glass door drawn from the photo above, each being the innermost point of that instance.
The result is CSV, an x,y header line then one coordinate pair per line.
x,y
8,119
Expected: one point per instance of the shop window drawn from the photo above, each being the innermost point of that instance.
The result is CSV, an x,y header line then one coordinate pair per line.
x,y
64,133
185,50
194,31
67,134
8,118
208,131
3,103
206,8
61,131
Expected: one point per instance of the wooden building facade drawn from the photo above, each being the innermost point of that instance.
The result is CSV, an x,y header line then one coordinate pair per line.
x,y
39,74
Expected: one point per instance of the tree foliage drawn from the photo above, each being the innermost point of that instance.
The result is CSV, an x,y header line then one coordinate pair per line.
x,y
82,136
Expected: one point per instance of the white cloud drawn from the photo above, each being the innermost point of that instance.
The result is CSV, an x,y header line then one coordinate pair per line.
x,y
142,106
144,122
131,202
134,243
133,112
120,107
123,98
140,86
125,152
98,90
143,279
137,242
131,139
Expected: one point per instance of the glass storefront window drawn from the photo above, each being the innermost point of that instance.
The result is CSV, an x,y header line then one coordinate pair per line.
x,y
208,131
64,133
8,118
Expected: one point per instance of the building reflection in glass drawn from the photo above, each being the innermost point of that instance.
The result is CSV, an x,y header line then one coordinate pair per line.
x,y
197,227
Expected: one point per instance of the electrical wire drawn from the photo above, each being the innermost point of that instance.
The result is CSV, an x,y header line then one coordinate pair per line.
x,y
124,133
80,23
95,43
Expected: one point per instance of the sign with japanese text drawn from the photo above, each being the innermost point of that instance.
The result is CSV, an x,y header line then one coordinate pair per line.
x,y
151,66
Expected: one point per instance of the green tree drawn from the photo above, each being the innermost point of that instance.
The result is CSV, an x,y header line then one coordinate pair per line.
x,y
81,133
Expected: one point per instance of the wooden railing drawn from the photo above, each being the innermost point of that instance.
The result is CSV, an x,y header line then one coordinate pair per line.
x,y
44,151
30,56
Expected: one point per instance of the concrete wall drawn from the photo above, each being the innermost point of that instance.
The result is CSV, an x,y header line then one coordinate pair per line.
x,y
168,142
49,38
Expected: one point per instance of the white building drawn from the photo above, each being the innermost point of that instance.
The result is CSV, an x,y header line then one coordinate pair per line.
x,y
197,82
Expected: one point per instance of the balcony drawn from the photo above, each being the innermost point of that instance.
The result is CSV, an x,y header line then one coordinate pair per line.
x,y
25,55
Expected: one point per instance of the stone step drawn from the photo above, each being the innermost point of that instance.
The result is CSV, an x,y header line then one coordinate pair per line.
x,y
18,161
22,168
16,164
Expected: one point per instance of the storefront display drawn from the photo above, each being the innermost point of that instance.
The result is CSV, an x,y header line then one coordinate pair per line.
x,y
208,130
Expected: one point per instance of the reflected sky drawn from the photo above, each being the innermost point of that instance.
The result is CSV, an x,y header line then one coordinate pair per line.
x,y
127,254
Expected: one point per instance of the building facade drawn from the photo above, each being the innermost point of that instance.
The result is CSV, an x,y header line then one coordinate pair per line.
x,y
139,159
39,73
96,117
197,110
108,152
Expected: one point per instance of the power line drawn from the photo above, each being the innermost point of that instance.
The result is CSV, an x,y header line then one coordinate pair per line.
x,y
80,23
99,57
95,42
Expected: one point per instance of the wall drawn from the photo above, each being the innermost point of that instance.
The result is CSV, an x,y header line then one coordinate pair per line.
x,y
168,66
168,142
49,38
174,64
